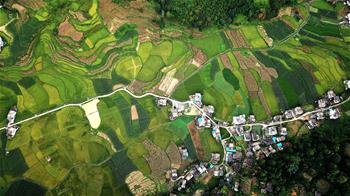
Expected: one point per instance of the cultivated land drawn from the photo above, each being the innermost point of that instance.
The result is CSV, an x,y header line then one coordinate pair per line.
x,y
59,65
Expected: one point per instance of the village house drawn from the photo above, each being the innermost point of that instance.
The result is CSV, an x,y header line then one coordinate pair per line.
x,y
347,2
334,113
215,158
173,174
197,99
202,121
209,110
347,84
247,137
216,133
11,131
11,116
251,119
330,95
337,99
312,123
239,120
161,102
270,131
2,43
347,19
183,152
277,118
289,114
320,116
283,131
298,111
218,171
322,103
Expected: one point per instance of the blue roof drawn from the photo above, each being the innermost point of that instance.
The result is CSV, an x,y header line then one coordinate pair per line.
x,y
279,145
274,139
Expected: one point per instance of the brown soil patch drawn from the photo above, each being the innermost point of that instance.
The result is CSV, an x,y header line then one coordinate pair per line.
x,y
139,12
88,60
226,61
79,16
199,57
264,103
196,140
134,113
32,4
139,184
237,38
287,11
250,62
157,159
21,10
246,187
66,29
136,86
250,82
174,155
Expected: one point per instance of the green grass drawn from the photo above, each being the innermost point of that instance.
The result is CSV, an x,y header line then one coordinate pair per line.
x,y
212,44
3,17
150,69
252,35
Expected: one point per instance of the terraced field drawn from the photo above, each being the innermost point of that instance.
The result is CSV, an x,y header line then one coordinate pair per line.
x,y
54,57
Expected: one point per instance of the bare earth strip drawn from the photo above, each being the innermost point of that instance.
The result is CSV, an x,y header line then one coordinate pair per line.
x,y
196,140
92,113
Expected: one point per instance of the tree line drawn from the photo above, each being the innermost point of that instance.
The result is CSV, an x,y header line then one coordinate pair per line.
x,y
316,162
203,13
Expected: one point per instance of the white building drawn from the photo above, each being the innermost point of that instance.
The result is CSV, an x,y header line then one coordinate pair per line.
x,y
347,84
239,120
11,116
2,44
161,102
334,113
11,131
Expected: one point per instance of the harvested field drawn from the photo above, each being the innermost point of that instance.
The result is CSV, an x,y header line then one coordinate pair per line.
x,y
157,159
136,86
134,114
250,82
196,140
21,10
92,113
66,29
139,184
168,83
174,155
237,39
199,57
32,4
251,62
115,15
226,61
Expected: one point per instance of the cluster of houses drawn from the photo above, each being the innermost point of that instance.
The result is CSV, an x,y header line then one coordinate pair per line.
x,y
347,16
329,99
194,172
11,129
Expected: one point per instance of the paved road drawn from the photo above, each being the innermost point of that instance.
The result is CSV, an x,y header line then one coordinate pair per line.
x,y
174,101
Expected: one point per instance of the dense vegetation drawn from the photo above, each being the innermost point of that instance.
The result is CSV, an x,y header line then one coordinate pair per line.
x,y
318,161
203,13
